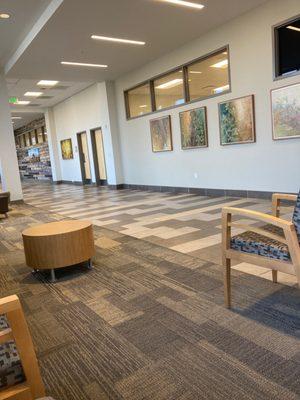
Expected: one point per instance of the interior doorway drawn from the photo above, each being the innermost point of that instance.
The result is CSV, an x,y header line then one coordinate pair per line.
x,y
99,156
84,158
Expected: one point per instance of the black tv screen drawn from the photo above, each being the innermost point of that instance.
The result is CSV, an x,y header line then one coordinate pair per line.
x,y
287,41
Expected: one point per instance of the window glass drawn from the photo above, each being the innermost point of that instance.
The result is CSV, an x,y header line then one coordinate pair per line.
x,y
169,90
33,138
40,135
22,140
27,139
139,100
209,76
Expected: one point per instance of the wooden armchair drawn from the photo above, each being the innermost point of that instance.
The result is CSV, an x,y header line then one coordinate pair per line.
x,y
275,245
20,377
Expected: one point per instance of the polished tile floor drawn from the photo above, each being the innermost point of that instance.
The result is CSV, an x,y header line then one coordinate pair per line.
x,y
187,223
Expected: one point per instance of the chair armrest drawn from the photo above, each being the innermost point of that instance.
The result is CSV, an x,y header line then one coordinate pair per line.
x,y
8,304
259,216
276,199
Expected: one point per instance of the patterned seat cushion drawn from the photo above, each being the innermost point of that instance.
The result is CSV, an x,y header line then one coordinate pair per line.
x,y
11,371
255,243
296,216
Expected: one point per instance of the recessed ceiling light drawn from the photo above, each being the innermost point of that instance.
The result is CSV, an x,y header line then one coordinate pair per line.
x,y
110,39
220,64
4,16
294,28
195,72
221,89
33,94
47,83
16,117
185,4
170,84
143,106
83,64
22,102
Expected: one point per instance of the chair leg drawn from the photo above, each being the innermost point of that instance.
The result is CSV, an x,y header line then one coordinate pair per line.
x,y
297,270
274,275
227,281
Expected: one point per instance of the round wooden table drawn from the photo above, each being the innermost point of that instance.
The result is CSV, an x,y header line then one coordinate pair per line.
x,y
58,244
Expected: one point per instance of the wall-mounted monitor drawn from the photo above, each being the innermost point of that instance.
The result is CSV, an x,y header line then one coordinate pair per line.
x,y
287,45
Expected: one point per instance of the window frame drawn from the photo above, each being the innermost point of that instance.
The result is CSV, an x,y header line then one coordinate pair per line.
x,y
276,76
184,68
126,99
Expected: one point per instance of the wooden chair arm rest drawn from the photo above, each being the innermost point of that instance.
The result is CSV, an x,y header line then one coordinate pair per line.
x,y
9,303
284,196
259,216
276,199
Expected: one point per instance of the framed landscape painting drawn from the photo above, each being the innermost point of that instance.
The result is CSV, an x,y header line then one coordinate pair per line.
x,y
66,149
161,134
237,122
193,126
286,112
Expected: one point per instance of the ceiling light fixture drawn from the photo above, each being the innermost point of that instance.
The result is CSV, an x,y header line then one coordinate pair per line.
x,y
47,83
170,84
195,72
221,89
83,64
143,106
22,102
16,117
293,28
185,4
4,15
33,94
220,64
111,39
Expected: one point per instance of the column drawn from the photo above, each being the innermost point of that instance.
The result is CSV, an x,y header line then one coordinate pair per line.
x,y
10,176
53,145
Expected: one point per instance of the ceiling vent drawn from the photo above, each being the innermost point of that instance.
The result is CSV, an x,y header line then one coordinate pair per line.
x,y
45,97
57,88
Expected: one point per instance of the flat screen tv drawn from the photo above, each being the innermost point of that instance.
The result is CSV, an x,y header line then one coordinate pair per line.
x,y
287,45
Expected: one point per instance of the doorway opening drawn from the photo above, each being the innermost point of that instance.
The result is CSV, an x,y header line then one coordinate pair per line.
x,y
84,158
99,156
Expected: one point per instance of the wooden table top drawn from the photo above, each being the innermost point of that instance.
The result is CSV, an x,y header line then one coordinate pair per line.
x,y
56,228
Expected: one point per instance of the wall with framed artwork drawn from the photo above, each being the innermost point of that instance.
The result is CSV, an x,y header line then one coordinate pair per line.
x,y
256,162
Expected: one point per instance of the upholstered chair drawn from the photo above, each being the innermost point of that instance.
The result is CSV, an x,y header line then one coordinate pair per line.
x,y
274,245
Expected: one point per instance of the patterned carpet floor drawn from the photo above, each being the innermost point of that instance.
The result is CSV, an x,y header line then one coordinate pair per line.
x,y
149,323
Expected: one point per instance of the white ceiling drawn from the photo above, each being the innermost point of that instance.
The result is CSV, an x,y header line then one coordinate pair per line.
x,y
24,13
66,36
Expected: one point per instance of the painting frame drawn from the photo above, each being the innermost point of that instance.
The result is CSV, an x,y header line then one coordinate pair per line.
x,y
166,117
67,149
204,109
272,91
253,121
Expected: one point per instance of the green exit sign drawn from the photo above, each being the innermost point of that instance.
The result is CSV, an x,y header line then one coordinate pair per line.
x,y
13,100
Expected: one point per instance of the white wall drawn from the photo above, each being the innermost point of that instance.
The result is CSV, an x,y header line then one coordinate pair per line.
x,y
80,113
265,165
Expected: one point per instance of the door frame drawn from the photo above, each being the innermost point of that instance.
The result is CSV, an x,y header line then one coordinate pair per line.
x,y
85,181
99,182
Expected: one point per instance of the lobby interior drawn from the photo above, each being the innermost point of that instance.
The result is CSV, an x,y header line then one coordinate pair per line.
x,y
149,200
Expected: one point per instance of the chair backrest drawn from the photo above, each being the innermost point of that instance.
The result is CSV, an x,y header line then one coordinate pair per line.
x,y
4,204
296,216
